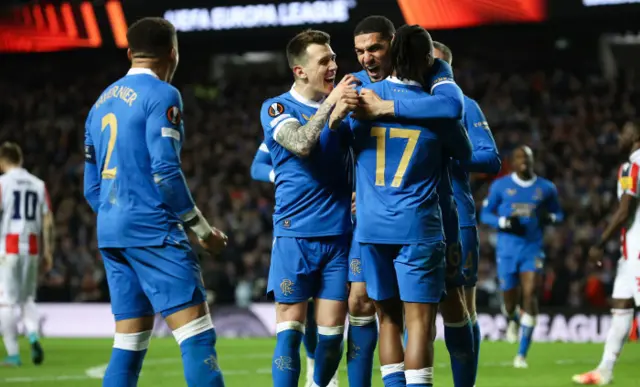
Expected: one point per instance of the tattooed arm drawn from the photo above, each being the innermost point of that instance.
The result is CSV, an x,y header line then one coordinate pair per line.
x,y
301,139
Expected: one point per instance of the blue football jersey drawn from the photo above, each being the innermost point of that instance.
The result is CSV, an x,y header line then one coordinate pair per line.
x,y
398,169
448,205
363,77
133,135
509,196
485,159
313,194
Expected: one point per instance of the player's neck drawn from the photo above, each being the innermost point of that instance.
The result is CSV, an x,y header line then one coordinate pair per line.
x,y
9,168
151,65
307,92
525,176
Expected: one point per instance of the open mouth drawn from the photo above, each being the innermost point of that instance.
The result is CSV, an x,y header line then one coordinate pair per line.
x,y
373,70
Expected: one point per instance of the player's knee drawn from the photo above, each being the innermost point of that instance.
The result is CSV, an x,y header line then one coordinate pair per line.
x,y
132,341
360,304
292,312
453,308
194,328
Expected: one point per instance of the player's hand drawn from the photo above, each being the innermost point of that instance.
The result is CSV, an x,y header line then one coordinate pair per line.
x,y
353,203
216,241
595,255
369,105
349,82
47,263
512,225
347,103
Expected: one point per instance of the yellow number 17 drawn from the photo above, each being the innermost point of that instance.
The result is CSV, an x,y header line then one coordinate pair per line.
x,y
111,121
380,134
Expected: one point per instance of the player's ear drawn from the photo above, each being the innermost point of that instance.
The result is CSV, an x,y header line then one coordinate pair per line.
x,y
129,54
299,72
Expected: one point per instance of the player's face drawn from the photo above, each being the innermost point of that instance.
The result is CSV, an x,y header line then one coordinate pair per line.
x,y
523,160
627,137
174,60
320,68
372,52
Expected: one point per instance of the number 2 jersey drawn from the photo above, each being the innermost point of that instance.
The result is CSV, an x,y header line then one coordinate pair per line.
x,y
133,136
398,169
24,202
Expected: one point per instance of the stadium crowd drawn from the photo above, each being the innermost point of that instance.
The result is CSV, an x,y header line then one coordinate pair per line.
x,y
570,119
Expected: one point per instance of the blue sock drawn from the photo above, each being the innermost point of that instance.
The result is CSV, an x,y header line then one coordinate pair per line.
x,y
197,341
528,323
477,339
459,340
328,354
285,369
126,360
310,339
421,378
33,337
362,338
393,375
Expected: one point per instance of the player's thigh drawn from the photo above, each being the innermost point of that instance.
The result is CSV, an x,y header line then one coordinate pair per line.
x,y
420,270
624,283
293,275
128,300
507,267
334,268
634,269
10,287
379,270
29,277
530,267
470,254
170,276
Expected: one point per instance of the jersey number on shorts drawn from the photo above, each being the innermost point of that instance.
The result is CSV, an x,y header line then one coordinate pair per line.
x,y
380,134
110,121
30,203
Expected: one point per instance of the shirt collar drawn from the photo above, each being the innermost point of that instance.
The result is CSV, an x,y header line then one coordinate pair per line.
x,y
305,101
142,70
523,183
407,82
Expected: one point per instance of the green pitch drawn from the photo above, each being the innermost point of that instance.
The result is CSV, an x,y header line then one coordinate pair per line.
x,y
246,362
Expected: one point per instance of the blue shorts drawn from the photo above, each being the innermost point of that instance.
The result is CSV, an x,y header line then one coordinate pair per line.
x,y
356,274
511,265
470,254
144,281
309,267
415,272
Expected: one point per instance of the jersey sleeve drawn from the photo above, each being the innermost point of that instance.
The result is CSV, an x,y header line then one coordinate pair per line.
x,y
485,158
489,213
261,168
91,176
164,135
274,113
46,203
553,204
445,103
629,180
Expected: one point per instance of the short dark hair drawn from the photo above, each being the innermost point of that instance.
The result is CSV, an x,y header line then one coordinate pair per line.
x,y
11,152
151,37
448,55
375,24
297,46
411,52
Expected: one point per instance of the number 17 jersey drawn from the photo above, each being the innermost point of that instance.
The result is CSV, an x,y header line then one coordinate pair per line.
x,y
398,168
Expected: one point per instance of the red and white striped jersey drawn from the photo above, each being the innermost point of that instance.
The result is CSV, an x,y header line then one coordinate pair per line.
x,y
629,184
24,200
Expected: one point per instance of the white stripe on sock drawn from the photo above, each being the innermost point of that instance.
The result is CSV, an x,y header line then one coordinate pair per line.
x,y
389,369
132,341
290,325
360,321
421,376
193,328
331,331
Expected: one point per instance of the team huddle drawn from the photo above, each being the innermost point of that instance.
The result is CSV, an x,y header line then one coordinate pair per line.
x,y
374,223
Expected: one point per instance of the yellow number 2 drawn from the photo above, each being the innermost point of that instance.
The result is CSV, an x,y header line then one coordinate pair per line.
x,y
110,121
379,133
